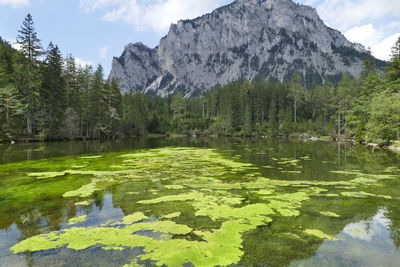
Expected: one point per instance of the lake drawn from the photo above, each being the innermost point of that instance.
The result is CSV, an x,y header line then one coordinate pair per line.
x,y
199,202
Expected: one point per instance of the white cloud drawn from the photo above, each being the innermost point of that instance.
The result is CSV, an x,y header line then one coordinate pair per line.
x,y
90,5
383,49
345,14
154,15
366,35
15,3
103,51
83,63
374,39
13,43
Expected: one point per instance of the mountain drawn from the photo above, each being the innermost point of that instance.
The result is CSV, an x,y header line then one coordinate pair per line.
x,y
247,39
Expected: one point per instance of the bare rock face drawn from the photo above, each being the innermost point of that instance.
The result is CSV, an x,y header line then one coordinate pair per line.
x,y
248,39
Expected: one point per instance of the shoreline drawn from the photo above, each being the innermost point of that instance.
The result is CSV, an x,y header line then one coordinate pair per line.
x,y
390,147
395,146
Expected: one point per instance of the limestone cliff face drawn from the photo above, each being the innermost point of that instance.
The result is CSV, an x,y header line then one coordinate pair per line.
x,y
268,39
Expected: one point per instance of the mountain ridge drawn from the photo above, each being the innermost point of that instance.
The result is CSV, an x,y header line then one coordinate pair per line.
x,y
246,39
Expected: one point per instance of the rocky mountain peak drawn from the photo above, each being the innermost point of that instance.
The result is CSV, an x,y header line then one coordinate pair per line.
x,y
247,39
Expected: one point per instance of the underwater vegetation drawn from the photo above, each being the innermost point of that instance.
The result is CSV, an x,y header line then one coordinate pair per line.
x,y
202,208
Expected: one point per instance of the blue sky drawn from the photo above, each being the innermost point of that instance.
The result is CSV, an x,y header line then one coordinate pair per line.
x,y
94,31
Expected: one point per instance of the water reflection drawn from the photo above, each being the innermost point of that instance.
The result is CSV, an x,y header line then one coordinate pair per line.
x,y
366,240
363,243
102,211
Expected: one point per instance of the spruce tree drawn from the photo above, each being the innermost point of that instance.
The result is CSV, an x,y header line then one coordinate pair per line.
x,y
52,91
10,111
98,104
393,70
296,91
71,83
6,63
28,76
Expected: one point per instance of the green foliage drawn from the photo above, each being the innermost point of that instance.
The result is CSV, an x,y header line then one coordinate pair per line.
x,y
51,92
52,97
384,123
58,99
393,70
27,72
11,110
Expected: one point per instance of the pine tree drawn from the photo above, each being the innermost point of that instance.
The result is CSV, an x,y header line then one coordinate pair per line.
x,y
393,70
98,104
52,91
384,123
70,78
28,76
81,101
6,63
114,99
10,111
346,91
359,114
296,91
178,108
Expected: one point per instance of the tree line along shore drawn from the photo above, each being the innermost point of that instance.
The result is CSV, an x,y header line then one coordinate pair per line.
x,y
44,96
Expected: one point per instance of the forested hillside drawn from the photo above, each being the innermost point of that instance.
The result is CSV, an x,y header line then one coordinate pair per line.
x,y
43,95
366,109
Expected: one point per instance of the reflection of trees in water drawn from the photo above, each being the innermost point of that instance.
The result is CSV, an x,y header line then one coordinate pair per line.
x,y
393,214
272,246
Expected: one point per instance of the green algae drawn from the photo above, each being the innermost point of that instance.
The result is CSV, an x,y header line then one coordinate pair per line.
x,y
363,194
46,175
320,234
78,166
291,236
177,161
356,231
330,195
77,220
113,248
212,192
265,192
289,162
91,157
171,215
84,191
184,197
221,247
392,169
84,203
252,213
287,204
268,167
330,214
292,172
174,187
132,218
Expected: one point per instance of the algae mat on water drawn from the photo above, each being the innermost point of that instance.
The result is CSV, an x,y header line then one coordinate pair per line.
x,y
213,186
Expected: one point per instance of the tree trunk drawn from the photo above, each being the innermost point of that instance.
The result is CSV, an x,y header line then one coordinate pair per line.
x,y
7,115
29,126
